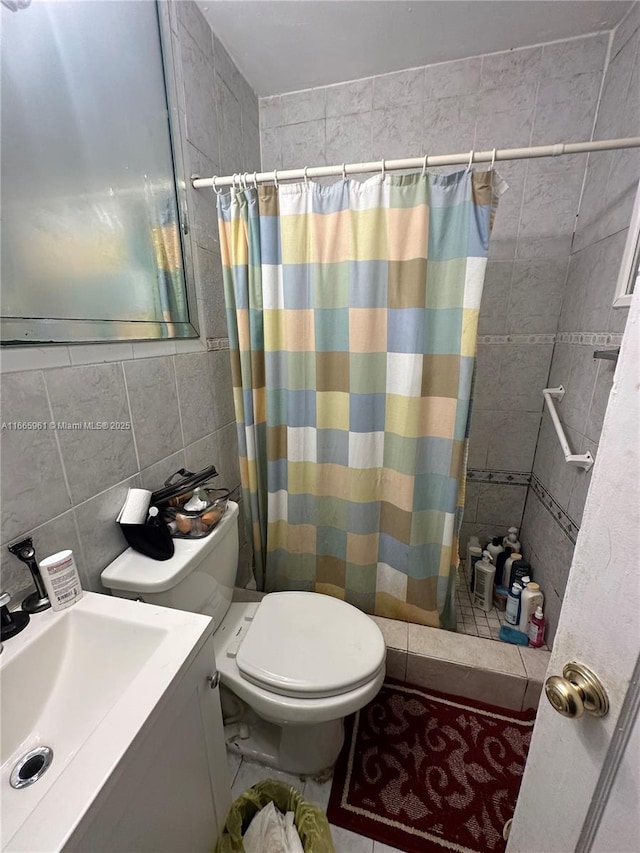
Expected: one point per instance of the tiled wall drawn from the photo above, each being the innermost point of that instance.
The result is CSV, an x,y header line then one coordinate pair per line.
x,y
65,488
588,321
532,96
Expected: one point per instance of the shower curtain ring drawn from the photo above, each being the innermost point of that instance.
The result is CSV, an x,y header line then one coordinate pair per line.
x,y
383,169
244,180
471,153
424,167
214,187
493,160
255,180
275,178
306,178
344,171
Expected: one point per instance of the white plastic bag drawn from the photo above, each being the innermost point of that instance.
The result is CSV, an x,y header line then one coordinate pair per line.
x,y
272,832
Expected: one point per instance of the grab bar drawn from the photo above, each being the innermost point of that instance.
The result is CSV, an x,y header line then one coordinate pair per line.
x,y
582,460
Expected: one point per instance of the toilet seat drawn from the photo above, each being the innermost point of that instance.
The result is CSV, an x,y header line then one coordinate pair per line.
x,y
277,708
309,646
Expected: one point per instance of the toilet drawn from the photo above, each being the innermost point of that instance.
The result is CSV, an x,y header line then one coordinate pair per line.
x,y
291,665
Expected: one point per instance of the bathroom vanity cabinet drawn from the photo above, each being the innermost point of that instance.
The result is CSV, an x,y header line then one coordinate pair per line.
x,y
170,792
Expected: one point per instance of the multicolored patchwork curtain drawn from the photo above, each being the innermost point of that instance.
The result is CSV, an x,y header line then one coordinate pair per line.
x,y
352,313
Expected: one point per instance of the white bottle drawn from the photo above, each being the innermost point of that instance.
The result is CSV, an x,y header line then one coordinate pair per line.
x,y
61,579
484,574
506,572
494,548
474,553
530,599
510,541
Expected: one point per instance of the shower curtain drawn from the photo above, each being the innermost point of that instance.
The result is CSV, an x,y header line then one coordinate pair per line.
x,y
352,313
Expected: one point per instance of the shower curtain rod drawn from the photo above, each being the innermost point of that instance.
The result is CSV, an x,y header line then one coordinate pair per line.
x,y
469,158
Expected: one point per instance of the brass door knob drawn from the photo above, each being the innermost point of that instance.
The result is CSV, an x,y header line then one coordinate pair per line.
x,y
576,691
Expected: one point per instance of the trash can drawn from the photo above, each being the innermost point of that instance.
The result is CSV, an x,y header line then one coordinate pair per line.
x,y
310,821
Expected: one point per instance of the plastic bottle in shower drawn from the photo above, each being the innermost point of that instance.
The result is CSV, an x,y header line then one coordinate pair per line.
x,y
530,600
536,629
510,541
495,548
474,553
512,614
506,571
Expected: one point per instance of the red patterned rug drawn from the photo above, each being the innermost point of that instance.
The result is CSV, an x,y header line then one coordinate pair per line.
x,y
423,771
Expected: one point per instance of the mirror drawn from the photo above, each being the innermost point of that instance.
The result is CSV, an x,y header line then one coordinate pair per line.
x,y
630,265
92,234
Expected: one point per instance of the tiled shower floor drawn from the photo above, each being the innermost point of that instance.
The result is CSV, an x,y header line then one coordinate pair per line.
x,y
472,620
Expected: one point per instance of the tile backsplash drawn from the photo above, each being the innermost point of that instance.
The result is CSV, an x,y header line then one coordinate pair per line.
x,y
64,486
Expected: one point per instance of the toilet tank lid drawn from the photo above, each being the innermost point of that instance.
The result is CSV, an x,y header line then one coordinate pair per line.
x,y
133,572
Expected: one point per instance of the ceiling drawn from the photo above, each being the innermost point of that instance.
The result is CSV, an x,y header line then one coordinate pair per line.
x,y
285,45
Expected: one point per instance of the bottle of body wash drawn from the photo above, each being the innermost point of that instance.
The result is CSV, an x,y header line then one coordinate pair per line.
x,y
510,541
530,600
495,547
512,614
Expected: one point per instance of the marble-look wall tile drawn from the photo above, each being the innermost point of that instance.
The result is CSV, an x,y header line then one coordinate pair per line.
x,y
400,88
230,123
155,476
450,124
153,400
348,138
448,79
202,120
303,144
497,503
565,108
94,459
397,132
494,306
355,96
515,66
195,395
33,484
626,29
304,106
576,56
270,112
535,297
58,534
100,535
505,115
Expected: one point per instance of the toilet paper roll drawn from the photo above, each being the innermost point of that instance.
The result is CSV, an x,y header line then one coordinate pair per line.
x,y
136,507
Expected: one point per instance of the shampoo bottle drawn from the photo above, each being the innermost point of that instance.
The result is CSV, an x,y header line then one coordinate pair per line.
x,y
513,604
483,586
61,579
536,629
495,547
506,571
474,553
530,599
510,541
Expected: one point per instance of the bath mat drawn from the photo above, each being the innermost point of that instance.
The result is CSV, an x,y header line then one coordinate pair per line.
x,y
423,771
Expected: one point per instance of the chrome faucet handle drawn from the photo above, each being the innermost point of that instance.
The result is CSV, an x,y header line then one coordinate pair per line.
x,y
11,623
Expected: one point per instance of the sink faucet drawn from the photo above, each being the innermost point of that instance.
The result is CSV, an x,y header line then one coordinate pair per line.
x,y
11,623
38,600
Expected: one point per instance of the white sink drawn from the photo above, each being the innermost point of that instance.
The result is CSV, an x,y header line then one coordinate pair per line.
x,y
82,681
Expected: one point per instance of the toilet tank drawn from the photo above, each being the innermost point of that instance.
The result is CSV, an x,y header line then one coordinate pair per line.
x,y
200,576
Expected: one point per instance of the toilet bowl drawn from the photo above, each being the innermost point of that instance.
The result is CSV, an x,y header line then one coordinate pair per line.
x,y
295,663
